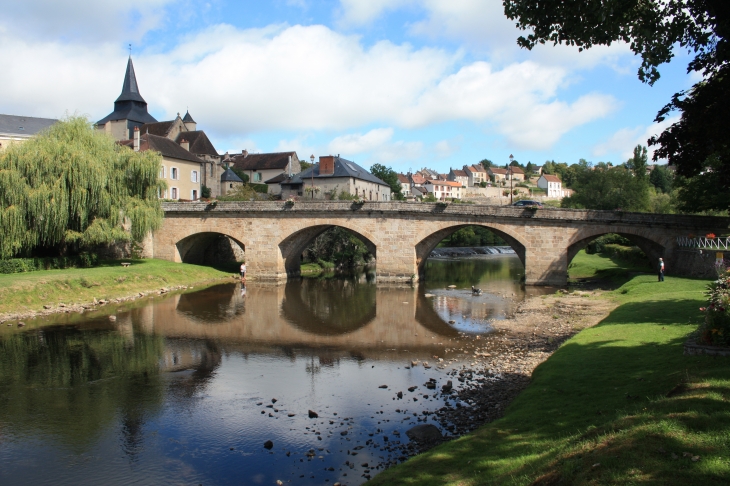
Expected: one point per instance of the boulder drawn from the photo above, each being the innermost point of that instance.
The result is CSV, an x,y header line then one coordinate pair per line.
x,y
424,433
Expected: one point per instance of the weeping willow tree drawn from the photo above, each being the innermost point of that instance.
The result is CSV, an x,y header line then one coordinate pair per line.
x,y
73,188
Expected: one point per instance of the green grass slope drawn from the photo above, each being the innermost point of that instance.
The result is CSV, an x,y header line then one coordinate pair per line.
x,y
24,292
618,403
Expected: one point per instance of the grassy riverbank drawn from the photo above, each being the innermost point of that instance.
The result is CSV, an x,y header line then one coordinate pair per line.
x,y
617,404
27,292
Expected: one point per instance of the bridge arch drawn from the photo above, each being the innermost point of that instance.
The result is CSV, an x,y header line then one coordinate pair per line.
x,y
653,248
293,246
209,248
426,243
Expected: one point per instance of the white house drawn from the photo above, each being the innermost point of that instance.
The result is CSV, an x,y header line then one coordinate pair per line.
x,y
405,185
443,190
552,184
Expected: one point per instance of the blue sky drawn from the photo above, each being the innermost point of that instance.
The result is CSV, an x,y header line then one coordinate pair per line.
x,y
404,83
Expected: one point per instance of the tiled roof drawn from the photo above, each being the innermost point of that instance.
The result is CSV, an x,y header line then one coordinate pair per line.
x,y
161,129
24,125
478,168
187,118
497,170
459,173
403,179
277,179
199,142
343,168
445,183
277,160
230,176
418,179
163,145
551,178
517,170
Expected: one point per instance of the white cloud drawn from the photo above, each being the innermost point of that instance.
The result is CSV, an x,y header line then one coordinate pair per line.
x,y
356,143
376,146
625,139
237,82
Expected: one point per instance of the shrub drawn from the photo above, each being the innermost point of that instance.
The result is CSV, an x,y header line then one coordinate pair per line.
x,y
22,265
716,328
598,245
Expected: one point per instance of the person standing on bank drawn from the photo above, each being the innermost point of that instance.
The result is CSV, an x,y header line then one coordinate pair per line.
x,y
661,270
243,271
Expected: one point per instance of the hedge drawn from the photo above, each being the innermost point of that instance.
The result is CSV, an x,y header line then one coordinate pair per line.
x,y
21,265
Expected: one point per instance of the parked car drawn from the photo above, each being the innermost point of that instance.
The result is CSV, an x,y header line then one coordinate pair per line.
x,y
527,202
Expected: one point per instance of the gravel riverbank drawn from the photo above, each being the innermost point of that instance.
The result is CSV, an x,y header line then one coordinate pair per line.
x,y
480,378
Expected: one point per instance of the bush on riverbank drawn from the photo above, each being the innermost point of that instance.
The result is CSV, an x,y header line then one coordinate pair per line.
x,y
618,403
22,265
715,330
26,292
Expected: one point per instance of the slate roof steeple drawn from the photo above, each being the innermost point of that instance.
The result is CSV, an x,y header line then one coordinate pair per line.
x,y
130,90
129,105
188,118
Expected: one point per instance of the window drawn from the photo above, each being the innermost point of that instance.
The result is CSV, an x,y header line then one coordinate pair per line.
x,y
162,172
194,195
231,185
257,177
194,176
174,193
173,174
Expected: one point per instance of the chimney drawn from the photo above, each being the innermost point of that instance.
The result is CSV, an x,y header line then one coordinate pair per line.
x,y
136,139
185,144
244,152
289,167
327,165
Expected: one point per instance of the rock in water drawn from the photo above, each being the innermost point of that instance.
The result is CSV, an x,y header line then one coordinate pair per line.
x,y
383,386
313,414
268,445
447,387
452,286
424,433
400,394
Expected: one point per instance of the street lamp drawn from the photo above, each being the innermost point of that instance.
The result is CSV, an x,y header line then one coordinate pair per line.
x,y
509,171
312,159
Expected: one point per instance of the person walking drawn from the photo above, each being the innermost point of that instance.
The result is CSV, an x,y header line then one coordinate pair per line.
x,y
243,271
661,270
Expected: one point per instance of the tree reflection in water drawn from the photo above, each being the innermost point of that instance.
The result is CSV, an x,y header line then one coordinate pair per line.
x,y
100,373
329,307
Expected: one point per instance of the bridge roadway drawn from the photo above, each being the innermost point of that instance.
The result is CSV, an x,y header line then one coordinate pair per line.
x,y
401,235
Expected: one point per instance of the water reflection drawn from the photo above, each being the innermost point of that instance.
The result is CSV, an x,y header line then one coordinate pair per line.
x,y
184,386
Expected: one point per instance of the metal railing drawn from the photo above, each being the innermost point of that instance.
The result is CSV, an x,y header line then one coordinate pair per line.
x,y
703,242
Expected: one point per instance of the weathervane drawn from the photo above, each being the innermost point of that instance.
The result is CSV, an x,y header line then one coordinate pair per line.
x,y
130,50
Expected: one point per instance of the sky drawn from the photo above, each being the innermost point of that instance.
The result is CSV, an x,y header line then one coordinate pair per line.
x,y
403,83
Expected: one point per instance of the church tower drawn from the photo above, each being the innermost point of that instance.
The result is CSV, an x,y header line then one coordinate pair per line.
x,y
130,109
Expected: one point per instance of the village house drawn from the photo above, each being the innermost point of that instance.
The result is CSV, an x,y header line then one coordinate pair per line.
x,y
417,180
334,175
230,182
262,168
552,185
179,169
17,129
476,174
456,175
497,174
517,174
443,190
405,185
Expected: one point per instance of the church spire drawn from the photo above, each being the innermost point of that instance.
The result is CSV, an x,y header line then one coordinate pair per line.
x,y
130,90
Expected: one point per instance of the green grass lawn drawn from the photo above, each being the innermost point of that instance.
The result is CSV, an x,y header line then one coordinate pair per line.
x,y
21,292
602,267
618,403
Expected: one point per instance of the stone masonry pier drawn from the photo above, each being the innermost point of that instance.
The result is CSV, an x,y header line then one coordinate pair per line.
x,y
401,235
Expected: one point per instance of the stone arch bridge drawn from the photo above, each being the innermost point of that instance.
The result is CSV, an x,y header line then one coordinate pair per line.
x,y
401,235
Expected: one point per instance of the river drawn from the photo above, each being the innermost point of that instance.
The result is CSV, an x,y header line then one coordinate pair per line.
x,y
190,388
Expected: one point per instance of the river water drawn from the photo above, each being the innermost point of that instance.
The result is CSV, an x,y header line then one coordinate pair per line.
x,y
188,388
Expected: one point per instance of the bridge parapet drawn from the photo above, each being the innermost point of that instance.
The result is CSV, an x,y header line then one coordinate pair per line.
x,y
375,208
